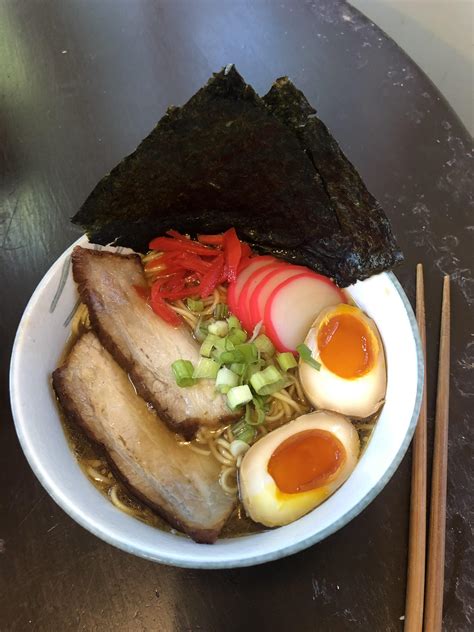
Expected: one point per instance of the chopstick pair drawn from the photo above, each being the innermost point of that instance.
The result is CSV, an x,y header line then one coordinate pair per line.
x,y
424,608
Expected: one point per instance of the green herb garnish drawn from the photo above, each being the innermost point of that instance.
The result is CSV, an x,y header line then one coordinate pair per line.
x,y
307,356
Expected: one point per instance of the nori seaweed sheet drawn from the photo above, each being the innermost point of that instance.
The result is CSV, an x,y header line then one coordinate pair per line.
x,y
229,158
358,212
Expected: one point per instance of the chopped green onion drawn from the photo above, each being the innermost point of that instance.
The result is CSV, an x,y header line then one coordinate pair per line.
x,y
217,350
219,328
260,416
208,345
206,369
194,306
230,357
238,396
200,332
221,311
219,345
244,432
247,435
248,351
183,373
260,402
250,369
238,427
286,361
226,379
268,381
307,356
234,322
264,344
224,344
237,336
248,414
229,345
261,406
238,367
251,419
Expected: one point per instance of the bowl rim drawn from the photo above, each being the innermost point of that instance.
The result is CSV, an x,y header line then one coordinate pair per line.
x,y
115,538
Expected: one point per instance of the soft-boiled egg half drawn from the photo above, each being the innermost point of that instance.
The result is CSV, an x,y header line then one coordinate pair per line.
x,y
352,379
291,470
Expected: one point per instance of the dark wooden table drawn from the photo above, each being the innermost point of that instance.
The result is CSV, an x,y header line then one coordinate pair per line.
x,y
81,82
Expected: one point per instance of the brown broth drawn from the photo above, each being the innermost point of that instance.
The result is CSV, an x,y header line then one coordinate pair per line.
x,y
85,450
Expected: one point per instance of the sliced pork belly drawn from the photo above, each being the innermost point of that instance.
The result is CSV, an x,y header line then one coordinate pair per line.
x,y
178,483
142,343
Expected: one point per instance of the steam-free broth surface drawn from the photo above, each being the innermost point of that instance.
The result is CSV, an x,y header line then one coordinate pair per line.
x,y
282,407
86,452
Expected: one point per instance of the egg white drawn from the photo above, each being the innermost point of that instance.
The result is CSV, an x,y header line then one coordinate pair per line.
x,y
358,397
262,499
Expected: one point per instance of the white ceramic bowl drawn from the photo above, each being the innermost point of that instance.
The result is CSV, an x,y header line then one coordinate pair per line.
x,y
39,343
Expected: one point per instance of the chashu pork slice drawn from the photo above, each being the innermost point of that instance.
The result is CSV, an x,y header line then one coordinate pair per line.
x,y
142,343
178,483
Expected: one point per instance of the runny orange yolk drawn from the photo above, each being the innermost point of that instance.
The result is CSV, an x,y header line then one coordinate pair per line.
x,y
306,461
345,346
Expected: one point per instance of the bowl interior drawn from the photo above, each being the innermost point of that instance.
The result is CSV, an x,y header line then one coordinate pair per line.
x,y
39,343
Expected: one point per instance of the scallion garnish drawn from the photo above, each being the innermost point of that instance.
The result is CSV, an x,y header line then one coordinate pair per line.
x,y
286,361
219,328
307,356
238,427
264,344
268,381
234,322
250,369
208,345
238,396
194,305
254,416
259,401
238,367
200,332
221,311
226,379
260,416
224,344
183,372
249,352
244,432
218,347
206,369
237,336
231,357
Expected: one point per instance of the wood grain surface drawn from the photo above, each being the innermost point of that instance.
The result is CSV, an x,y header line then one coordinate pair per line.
x,y
417,526
81,83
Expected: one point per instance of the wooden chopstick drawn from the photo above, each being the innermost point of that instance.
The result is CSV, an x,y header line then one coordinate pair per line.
x,y
435,575
417,532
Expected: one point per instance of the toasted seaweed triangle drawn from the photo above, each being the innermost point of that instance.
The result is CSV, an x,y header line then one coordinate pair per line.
x,y
359,214
229,158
